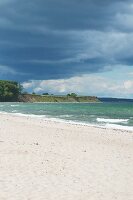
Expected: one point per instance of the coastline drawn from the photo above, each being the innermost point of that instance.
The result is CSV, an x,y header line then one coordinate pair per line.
x,y
70,122
41,159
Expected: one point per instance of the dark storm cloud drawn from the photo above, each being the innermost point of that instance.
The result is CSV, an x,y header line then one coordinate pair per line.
x,y
59,39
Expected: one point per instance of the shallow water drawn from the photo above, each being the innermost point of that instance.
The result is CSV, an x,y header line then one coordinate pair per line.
x,y
117,115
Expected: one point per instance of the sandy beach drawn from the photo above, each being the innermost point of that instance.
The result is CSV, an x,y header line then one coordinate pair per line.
x,y
45,160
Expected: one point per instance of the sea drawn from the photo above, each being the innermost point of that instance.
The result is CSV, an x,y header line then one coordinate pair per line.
x,y
109,113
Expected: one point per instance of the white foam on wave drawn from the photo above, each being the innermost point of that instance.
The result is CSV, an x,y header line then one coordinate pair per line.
x,y
28,115
112,120
120,127
66,116
46,118
14,105
107,126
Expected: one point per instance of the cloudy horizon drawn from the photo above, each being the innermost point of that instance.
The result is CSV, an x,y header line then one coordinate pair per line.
x,y
60,46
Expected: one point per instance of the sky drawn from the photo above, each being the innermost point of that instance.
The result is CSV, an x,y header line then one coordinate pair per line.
x,y
63,46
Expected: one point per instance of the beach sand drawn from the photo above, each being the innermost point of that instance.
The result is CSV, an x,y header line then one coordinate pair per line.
x,y
45,160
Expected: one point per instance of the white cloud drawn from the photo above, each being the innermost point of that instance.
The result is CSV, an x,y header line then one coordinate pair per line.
x,y
83,85
129,85
27,85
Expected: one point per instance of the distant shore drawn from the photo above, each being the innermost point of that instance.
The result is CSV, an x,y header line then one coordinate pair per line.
x,y
57,99
43,159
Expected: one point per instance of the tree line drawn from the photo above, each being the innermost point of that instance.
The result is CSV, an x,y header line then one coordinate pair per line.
x,y
9,90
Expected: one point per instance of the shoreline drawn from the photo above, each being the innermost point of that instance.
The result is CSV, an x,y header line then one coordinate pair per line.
x,y
63,121
56,161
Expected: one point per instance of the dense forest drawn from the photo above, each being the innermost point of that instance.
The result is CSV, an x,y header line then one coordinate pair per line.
x,y
9,90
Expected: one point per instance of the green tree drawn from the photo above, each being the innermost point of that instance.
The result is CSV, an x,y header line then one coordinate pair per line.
x,y
72,95
9,90
45,93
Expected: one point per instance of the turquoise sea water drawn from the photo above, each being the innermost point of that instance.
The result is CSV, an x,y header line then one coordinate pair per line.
x,y
117,115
